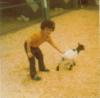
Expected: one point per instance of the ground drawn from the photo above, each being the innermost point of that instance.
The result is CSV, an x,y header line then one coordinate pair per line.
x,y
82,82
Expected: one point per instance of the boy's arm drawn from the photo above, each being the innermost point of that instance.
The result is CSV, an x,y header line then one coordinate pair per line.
x,y
29,53
52,43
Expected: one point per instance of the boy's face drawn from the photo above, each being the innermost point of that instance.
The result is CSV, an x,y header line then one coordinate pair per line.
x,y
47,31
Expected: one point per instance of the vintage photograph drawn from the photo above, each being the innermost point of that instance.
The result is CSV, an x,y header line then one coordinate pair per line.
x,y
49,49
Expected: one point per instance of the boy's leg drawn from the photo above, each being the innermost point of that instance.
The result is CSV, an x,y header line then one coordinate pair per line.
x,y
33,72
38,54
32,67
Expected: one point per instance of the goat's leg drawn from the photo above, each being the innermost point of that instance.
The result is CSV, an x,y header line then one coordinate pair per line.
x,y
57,68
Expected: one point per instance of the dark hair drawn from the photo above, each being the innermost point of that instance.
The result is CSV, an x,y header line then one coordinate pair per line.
x,y
48,23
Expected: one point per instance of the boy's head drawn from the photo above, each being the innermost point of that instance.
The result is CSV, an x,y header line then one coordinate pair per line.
x,y
47,26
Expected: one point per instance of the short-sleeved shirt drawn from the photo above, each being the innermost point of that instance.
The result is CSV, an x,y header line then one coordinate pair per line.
x,y
37,39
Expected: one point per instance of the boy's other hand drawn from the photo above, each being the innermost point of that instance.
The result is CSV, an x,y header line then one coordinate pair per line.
x,y
29,54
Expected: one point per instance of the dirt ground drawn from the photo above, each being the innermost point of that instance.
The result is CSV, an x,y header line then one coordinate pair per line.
x,y
82,82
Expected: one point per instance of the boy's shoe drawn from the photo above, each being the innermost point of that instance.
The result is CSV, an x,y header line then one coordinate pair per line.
x,y
45,70
36,78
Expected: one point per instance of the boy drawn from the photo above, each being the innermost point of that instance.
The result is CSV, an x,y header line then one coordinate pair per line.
x,y
32,47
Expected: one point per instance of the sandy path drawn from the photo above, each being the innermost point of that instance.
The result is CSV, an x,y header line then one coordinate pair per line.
x,y
82,82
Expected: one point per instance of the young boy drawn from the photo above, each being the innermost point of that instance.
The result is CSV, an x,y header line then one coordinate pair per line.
x,y
32,47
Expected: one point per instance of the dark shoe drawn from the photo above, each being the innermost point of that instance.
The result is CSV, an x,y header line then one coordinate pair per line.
x,y
36,78
45,70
